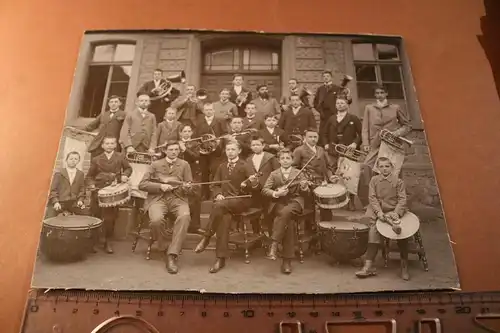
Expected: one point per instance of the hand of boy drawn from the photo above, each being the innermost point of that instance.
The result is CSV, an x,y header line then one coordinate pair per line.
x,y
130,149
219,197
166,187
57,206
124,179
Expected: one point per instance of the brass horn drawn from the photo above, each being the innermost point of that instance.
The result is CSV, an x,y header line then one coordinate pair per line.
x,y
201,94
181,77
346,80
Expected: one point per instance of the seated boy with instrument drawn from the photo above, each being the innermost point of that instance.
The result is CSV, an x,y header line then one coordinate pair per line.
x,y
168,183
387,197
67,191
230,198
109,168
286,186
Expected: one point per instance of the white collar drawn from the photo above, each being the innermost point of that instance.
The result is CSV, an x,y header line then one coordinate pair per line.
x,y
209,118
258,155
184,140
233,160
170,161
108,155
283,170
70,170
312,148
271,129
383,103
250,118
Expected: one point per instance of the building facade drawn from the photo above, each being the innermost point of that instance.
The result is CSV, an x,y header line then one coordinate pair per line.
x,y
118,64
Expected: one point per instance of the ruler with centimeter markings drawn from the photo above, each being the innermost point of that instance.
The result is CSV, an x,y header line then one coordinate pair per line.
x,y
84,311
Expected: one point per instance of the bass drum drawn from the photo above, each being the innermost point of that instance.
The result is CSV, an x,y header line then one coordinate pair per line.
x,y
69,238
343,241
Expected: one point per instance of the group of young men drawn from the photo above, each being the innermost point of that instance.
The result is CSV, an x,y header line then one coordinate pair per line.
x,y
261,146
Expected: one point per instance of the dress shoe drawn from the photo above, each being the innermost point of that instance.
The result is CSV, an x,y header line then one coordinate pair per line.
x,y
273,251
404,270
218,265
286,266
171,264
196,230
367,270
202,245
108,248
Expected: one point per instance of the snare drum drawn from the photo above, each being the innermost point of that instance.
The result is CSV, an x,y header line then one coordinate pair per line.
x,y
68,238
343,241
331,196
114,195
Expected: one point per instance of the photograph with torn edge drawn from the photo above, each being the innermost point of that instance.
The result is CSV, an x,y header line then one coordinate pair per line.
x,y
243,162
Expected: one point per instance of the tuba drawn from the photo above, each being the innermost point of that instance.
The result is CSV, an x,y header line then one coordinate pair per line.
x,y
166,87
397,142
344,91
350,153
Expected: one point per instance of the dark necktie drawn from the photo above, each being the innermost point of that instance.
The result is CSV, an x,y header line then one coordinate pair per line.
x,y
230,167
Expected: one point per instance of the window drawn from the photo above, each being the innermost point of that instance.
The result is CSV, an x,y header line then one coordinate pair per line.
x,y
108,74
378,64
242,59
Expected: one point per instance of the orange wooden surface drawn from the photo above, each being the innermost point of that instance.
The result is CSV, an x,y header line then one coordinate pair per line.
x,y
455,86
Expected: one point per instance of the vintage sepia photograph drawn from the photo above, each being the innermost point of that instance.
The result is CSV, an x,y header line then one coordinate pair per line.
x,y
243,162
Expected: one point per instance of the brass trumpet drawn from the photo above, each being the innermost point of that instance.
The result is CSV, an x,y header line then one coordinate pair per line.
x,y
397,142
201,94
350,153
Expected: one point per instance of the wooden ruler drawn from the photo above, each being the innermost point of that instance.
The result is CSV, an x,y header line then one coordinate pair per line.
x,y
81,311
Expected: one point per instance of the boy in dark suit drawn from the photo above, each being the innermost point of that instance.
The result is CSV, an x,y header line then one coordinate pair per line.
x,y
209,124
67,192
190,152
239,95
325,98
342,128
296,120
316,171
167,130
252,119
139,127
262,163
235,127
236,171
108,123
274,137
106,169
387,195
285,203
152,89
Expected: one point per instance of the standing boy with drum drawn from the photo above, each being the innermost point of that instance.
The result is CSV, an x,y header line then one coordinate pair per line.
x,y
316,171
287,200
387,196
109,168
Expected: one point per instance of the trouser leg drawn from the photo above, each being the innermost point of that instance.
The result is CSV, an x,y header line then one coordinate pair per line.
x,y
180,209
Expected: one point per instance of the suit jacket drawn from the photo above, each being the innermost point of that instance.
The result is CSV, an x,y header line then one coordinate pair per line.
x,y
180,171
275,138
265,107
268,164
297,124
106,126
316,170
192,156
187,110
218,127
276,180
232,97
241,172
256,122
104,171
346,132
137,129
325,100
62,190
390,117
165,132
